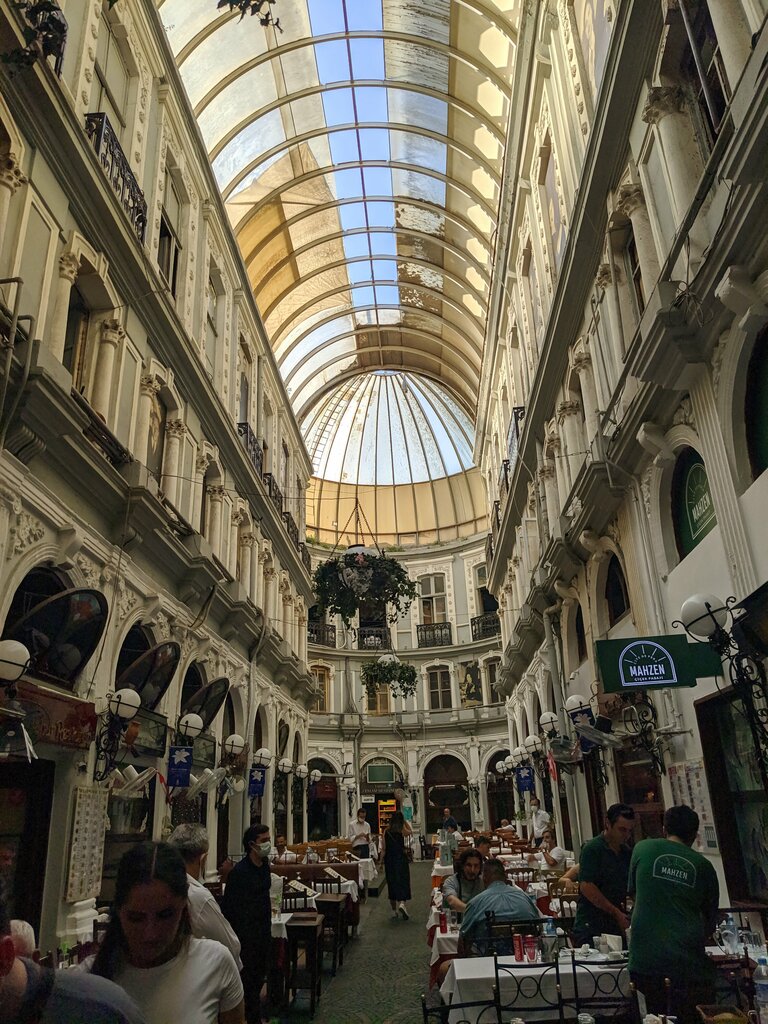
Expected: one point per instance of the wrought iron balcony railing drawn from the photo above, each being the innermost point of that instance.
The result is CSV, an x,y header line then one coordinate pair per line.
x,y
434,634
496,518
118,170
489,549
305,557
320,634
274,492
513,435
291,527
374,638
504,479
484,627
252,446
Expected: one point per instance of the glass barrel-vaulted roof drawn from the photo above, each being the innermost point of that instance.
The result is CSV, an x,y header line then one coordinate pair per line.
x,y
359,153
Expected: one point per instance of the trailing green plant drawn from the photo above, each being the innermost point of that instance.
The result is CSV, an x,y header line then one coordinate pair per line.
x,y
341,583
399,677
253,7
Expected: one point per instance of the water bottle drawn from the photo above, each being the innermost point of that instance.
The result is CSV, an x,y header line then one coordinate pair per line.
x,y
760,979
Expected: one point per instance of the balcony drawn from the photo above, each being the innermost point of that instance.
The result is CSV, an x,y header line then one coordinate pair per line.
x,y
485,627
489,550
322,635
374,638
292,528
496,518
504,479
513,435
274,492
434,634
51,28
305,557
252,446
118,170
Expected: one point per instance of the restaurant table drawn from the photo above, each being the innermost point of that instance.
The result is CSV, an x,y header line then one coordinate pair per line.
x,y
366,870
305,931
471,979
439,873
445,946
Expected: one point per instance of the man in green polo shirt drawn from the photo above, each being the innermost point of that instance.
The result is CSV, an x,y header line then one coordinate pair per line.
x,y
676,896
603,870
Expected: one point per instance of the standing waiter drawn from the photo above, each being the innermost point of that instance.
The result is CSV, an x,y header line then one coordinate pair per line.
x,y
245,905
359,834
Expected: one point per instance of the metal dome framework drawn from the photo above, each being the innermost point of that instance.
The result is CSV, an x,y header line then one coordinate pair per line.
x,y
360,156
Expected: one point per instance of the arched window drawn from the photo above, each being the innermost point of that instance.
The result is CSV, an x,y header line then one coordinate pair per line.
x,y
581,636
756,406
693,511
616,595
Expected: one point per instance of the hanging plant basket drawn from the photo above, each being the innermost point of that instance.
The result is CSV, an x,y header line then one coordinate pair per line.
x,y
341,583
399,677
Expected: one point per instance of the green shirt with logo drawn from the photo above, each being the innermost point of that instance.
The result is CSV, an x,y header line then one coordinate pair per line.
x,y
676,895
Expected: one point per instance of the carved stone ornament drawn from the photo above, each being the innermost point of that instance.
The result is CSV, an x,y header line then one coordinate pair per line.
x,y
26,531
149,385
90,570
176,428
662,100
630,198
645,487
111,332
11,176
163,626
202,462
568,409
69,266
717,360
684,414
126,600
603,278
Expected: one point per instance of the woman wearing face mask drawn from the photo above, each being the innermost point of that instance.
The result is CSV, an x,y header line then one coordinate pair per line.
x,y
148,948
245,905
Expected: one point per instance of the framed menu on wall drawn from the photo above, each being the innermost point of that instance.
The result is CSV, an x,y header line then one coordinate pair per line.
x,y
87,846
689,786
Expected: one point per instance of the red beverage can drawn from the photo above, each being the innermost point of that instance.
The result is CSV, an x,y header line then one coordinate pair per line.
x,y
443,922
517,941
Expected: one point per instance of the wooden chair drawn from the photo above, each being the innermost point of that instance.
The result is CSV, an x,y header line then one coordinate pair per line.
x,y
294,899
522,877
327,884
556,887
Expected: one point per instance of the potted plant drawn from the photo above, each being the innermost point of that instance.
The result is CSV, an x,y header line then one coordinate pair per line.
x,y
343,581
389,671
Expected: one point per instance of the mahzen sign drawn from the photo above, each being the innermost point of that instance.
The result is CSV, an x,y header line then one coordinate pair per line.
x,y
653,662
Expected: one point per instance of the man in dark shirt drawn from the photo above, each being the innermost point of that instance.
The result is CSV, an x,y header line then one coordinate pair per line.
x,y
245,905
603,872
448,819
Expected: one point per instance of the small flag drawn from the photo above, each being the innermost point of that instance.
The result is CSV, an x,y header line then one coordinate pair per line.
x,y
256,782
524,780
179,766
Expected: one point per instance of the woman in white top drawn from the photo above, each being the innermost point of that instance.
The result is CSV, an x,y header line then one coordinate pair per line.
x,y
148,948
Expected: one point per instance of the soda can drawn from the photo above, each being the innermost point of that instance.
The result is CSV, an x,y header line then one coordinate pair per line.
x,y
517,941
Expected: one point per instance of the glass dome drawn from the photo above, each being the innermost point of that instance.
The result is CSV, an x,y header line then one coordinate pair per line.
x,y
359,152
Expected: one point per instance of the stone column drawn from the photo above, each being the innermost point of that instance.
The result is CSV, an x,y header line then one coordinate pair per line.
x,y
301,625
234,532
69,267
520,594
567,413
549,483
612,321
631,202
664,108
246,550
202,462
215,500
10,179
149,386
561,471
174,432
254,586
111,336
270,575
582,364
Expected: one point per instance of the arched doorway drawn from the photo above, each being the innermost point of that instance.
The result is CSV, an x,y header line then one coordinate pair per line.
x,y
445,785
501,793
323,802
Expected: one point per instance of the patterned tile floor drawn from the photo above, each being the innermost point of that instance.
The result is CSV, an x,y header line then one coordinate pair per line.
x,y
385,970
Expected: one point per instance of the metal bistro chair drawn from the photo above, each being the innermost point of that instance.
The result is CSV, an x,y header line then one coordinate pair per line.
x,y
519,992
482,1012
602,990
294,899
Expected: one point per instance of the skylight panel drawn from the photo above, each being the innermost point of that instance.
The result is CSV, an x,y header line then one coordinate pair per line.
x,y
367,58
365,16
344,147
352,215
378,181
371,103
338,106
332,61
348,183
356,245
326,16
374,143
387,295
381,214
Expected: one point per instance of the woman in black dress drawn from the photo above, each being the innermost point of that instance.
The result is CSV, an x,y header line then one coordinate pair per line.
x,y
396,866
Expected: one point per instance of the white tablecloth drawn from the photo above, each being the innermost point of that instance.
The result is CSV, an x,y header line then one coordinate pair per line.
x,y
439,871
347,886
445,944
366,870
472,979
279,931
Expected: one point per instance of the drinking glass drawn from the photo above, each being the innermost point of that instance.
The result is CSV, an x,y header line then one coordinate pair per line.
x,y
530,946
